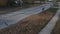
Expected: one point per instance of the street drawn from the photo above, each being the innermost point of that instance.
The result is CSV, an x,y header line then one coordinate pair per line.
x,y
14,17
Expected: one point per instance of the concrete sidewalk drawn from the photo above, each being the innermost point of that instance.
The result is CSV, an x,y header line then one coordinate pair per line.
x,y
48,28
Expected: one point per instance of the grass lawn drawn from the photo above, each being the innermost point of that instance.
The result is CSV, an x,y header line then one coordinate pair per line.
x,y
32,24
56,29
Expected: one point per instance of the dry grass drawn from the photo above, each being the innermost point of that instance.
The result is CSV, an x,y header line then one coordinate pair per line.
x,y
30,25
56,29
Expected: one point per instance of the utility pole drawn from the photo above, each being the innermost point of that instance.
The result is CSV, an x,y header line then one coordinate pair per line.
x,y
46,0
33,1
54,2
21,3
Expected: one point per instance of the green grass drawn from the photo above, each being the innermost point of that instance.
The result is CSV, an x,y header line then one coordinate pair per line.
x,y
53,10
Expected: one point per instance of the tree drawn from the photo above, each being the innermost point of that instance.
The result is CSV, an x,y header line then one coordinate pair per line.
x,y
29,1
41,0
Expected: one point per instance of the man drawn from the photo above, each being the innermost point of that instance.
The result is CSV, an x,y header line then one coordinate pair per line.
x,y
43,8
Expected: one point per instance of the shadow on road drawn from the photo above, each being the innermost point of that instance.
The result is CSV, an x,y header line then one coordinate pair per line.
x,y
4,10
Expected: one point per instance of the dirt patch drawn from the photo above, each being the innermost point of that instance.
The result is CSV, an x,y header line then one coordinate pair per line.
x,y
30,25
56,29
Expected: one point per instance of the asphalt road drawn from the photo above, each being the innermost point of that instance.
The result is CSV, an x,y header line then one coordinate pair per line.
x,y
12,18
